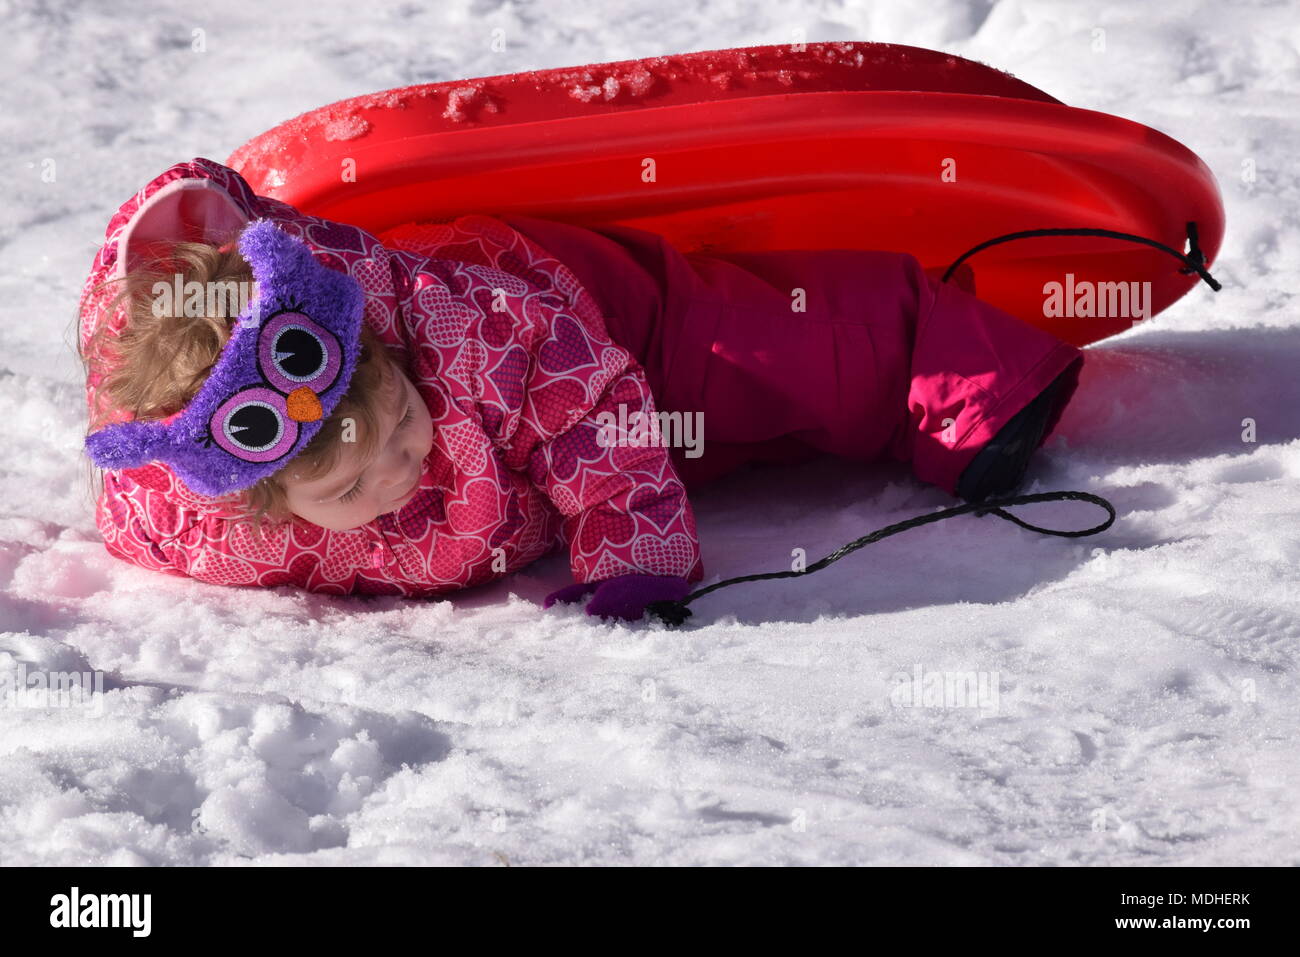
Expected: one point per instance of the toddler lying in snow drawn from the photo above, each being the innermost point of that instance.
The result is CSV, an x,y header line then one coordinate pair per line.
x,y
477,392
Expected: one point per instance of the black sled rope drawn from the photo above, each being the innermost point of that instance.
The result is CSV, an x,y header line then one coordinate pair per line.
x,y
1193,260
673,613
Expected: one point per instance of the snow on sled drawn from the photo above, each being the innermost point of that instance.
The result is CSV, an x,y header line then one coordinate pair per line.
x,y
836,145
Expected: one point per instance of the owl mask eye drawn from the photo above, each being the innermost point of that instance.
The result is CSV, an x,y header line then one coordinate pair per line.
x,y
294,352
254,424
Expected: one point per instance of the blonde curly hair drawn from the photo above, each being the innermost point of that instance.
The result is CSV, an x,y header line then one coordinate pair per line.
x,y
162,357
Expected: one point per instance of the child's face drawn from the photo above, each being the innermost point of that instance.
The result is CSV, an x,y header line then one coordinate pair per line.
x,y
357,491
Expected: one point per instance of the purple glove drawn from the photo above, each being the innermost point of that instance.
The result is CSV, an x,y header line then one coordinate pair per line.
x,y
623,597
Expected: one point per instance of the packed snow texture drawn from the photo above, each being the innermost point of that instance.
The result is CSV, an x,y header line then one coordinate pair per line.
x,y
1142,698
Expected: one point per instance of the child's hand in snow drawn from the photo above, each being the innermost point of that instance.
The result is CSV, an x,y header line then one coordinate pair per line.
x,y
623,597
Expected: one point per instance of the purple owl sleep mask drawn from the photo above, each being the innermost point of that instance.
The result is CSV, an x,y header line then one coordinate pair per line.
x,y
281,374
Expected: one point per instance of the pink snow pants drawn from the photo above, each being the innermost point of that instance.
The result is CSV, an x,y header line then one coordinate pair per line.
x,y
884,362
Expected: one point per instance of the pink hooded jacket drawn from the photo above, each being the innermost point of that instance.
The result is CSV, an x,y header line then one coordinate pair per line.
x,y
515,468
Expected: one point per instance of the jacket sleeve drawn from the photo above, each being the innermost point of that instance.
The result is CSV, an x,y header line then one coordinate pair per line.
x,y
582,439
144,524
121,517
145,527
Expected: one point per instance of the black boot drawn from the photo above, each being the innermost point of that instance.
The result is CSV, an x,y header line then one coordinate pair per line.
x,y
1000,466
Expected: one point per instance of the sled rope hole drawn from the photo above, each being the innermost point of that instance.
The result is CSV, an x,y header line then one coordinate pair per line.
x,y
1193,259
673,613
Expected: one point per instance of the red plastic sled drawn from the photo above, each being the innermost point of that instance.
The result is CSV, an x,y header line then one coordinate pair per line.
x,y
837,145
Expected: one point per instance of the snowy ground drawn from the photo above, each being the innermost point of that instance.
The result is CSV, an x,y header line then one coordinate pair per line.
x,y
1146,709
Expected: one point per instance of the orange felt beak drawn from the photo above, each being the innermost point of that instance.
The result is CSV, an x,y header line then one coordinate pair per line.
x,y
303,405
